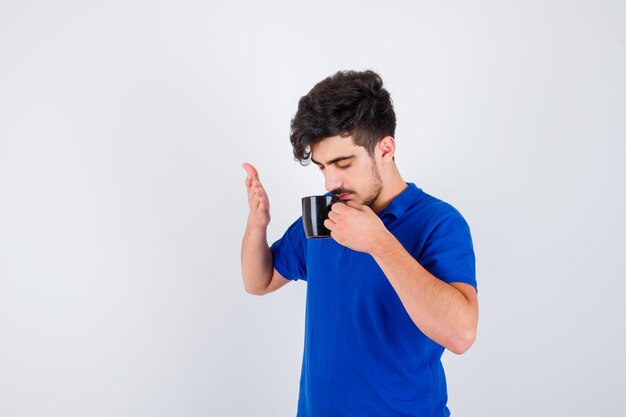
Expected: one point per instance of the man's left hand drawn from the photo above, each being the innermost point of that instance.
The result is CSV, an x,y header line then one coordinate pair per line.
x,y
356,226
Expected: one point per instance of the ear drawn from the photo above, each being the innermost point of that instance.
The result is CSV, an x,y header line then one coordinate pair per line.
x,y
386,149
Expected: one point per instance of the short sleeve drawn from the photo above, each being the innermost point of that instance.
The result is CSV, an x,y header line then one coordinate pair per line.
x,y
289,252
448,252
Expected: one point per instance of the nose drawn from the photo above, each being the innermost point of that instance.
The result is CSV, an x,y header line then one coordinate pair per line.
x,y
332,179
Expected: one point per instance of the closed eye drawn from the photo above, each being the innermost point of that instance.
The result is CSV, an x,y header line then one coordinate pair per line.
x,y
343,167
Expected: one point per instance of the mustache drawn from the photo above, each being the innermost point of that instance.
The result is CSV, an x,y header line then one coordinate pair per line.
x,y
339,191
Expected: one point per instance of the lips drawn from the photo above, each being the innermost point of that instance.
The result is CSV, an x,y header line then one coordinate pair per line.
x,y
344,197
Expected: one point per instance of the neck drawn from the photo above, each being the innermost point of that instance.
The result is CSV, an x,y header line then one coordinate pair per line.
x,y
393,185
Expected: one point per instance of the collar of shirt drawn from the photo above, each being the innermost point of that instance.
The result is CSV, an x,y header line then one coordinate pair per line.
x,y
400,204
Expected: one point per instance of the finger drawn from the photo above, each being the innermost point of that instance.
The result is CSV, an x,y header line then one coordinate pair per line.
x,y
258,188
260,203
332,216
256,200
248,180
338,207
253,198
355,205
329,224
254,192
258,194
250,170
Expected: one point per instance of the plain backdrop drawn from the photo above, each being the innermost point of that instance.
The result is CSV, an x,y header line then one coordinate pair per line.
x,y
123,126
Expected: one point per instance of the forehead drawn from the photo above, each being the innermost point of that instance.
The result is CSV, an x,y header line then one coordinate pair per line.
x,y
335,146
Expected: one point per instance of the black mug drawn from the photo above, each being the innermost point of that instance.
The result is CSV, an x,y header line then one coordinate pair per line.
x,y
315,210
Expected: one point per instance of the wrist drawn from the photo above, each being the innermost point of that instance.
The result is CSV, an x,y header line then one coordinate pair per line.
x,y
254,227
385,245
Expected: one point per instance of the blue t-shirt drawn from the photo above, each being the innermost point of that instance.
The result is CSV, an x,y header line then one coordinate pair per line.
x,y
363,355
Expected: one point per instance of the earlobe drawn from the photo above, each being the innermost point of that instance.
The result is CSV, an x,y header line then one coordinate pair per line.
x,y
387,147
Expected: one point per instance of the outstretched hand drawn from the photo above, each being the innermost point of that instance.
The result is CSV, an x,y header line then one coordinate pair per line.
x,y
258,202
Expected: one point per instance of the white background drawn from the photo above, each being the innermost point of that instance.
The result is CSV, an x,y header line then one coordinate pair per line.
x,y
123,126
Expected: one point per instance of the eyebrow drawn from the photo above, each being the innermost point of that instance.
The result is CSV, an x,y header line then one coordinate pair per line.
x,y
334,161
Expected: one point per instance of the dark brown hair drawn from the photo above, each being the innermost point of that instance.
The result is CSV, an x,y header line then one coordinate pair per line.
x,y
348,103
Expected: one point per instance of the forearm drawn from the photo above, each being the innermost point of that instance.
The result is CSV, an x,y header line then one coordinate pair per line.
x,y
439,310
256,260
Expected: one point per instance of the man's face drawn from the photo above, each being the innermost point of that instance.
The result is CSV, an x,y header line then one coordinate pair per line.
x,y
349,171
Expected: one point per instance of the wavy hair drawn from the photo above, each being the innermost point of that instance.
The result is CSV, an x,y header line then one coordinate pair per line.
x,y
348,103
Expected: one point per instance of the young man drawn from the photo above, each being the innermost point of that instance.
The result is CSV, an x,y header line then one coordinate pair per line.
x,y
396,283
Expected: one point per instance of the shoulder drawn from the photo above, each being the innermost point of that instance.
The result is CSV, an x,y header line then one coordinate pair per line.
x,y
434,211
294,235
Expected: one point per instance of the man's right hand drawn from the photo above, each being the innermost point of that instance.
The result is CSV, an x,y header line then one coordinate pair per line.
x,y
258,202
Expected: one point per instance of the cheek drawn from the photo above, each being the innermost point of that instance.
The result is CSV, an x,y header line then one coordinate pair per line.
x,y
360,182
